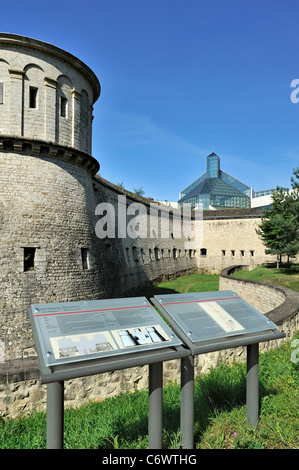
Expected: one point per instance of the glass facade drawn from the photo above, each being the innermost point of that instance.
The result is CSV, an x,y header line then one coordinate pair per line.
x,y
213,166
193,185
216,189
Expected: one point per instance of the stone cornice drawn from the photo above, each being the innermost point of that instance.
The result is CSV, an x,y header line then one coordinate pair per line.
x,y
44,149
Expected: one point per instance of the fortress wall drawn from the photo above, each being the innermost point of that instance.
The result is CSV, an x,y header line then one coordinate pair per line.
x,y
45,206
134,260
263,297
48,205
229,240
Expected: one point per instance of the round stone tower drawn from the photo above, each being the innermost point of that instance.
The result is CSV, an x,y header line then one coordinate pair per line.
x,y
47,240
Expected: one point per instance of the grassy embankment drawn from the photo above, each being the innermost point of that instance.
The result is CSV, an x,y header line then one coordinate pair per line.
x,y
287,276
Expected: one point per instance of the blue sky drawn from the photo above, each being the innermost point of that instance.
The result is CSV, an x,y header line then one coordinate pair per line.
x,y
179,78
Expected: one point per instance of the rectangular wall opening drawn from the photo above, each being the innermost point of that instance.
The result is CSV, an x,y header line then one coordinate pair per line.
x,y
85,258
135,254
63,106
33,97
29,258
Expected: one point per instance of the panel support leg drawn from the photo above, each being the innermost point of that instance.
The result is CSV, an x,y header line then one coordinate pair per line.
x,y
55,414
187,402
252,384
155,424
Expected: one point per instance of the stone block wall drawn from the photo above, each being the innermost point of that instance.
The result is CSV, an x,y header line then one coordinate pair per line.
x,y
229,238
263,297
46,211
279,304
131,263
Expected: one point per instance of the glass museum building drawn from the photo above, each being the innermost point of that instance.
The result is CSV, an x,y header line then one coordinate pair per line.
x,y
216,189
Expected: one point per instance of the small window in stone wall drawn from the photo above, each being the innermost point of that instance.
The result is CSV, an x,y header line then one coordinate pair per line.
x,y
203,252
135,254
63,106
1,92
29,258
33,97
85,258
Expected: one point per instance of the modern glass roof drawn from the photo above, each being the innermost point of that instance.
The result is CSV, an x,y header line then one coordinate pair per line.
x,y
216,189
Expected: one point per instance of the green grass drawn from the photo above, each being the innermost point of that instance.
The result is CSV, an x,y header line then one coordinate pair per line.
x,y
287,276
184,284
220,414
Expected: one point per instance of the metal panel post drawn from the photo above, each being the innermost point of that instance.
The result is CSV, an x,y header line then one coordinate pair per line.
x,y
155,425
252,384
187,402
55,413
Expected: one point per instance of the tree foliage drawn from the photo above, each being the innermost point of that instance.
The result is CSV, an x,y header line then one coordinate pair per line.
x,y
279,228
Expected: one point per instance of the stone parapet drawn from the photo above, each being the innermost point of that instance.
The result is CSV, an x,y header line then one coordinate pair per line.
x,y
278,303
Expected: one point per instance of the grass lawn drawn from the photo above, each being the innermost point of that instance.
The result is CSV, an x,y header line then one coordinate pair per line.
x,y
287,276
184,284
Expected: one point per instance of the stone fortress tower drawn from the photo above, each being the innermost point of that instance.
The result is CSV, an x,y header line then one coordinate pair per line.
x,y
50,191
46,193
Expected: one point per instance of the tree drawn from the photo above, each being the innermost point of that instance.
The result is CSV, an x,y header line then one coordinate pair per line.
x,y
279,229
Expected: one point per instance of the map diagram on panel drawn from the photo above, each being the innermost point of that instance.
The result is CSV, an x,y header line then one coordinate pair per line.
x,y
77,331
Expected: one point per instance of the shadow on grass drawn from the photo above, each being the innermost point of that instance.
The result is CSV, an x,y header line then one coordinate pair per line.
x,y
284,268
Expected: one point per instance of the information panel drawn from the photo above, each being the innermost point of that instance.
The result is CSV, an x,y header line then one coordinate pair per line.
x,y
210,315
78,331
